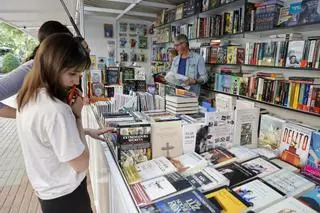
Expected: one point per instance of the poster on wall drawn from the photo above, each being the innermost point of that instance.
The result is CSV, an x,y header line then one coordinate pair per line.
x,y
108,30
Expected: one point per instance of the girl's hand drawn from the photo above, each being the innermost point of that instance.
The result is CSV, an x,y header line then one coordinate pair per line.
x,y
95,133
77,106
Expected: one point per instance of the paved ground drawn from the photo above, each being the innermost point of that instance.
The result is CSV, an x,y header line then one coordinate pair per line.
x,y
16,193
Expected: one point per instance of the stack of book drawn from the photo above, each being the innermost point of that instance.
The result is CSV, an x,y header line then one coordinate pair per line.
x,y
181,105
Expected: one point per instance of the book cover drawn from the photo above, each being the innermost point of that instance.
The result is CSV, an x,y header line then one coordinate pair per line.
x,y
191,202
309,12
289,183
190,136
220,130
246,127
148,191
179,12
134,144
243,153
112,75
228,200
269,50
312,198
258,193
268,153
219,156
236,173
289,205
231,55
155,168
96,76
312,167
223,102
166,139
270,131
295,53
189,163
207,179
295,144
260,166
205,5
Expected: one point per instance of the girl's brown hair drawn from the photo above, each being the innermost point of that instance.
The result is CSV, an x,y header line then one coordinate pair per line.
x,y
56,54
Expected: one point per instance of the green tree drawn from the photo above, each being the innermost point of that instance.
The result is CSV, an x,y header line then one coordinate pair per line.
x,y
20,43
10,62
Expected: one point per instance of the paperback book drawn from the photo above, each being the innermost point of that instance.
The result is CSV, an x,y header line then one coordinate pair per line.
x,y
289,183
243,153
191,202
312,198
207,179
236,173
270,132
289,205
189,163
312,168
219,156
260,166
228,200
295,144
258,193
148,191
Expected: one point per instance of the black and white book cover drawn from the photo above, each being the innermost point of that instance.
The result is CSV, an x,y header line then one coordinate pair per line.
x,y
261,166
236,173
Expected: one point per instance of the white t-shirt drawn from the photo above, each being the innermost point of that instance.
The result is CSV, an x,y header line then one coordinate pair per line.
x,y
50,138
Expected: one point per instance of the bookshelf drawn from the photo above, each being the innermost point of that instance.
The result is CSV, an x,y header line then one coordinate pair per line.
x,y
264,102
270,67
248,33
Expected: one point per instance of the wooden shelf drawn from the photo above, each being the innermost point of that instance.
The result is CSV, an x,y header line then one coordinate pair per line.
x,y
264,102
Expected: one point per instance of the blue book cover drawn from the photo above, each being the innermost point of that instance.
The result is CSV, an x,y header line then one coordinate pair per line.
x,y
191,201
312,167
312,199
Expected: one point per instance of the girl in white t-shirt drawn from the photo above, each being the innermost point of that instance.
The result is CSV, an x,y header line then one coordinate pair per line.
x,y
50,131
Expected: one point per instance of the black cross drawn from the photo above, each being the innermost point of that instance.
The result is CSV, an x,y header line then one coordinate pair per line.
x,y
167,148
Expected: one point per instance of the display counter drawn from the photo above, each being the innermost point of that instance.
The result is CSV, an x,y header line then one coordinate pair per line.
x,y
110,189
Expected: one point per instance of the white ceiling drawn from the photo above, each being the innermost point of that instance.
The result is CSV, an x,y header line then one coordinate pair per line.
x,y
29,15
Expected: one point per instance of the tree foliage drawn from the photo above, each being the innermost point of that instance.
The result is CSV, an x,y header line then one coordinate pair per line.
x,y
20,43
10,62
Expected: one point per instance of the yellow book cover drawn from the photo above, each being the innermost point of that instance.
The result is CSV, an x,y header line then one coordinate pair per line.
x,y
296,96
131,173
231,55
227,200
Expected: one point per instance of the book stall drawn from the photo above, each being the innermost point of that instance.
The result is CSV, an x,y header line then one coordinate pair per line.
x,y
249,143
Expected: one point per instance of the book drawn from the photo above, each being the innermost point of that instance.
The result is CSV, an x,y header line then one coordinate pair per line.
x,y
134,144
189,136
312,167
285,165
207,179
223,102
147,192
289,183
270,132
295,144
308,13
112,75
246,127
243,153
312,198
236,173
258,193
176,99
190,201
295,53
261,166
179,12
220,129
189,163
155,168
219,156
166,139
289,205
228,200
96,76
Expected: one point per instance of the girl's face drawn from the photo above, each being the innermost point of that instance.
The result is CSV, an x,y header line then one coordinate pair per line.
x,y
69,78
